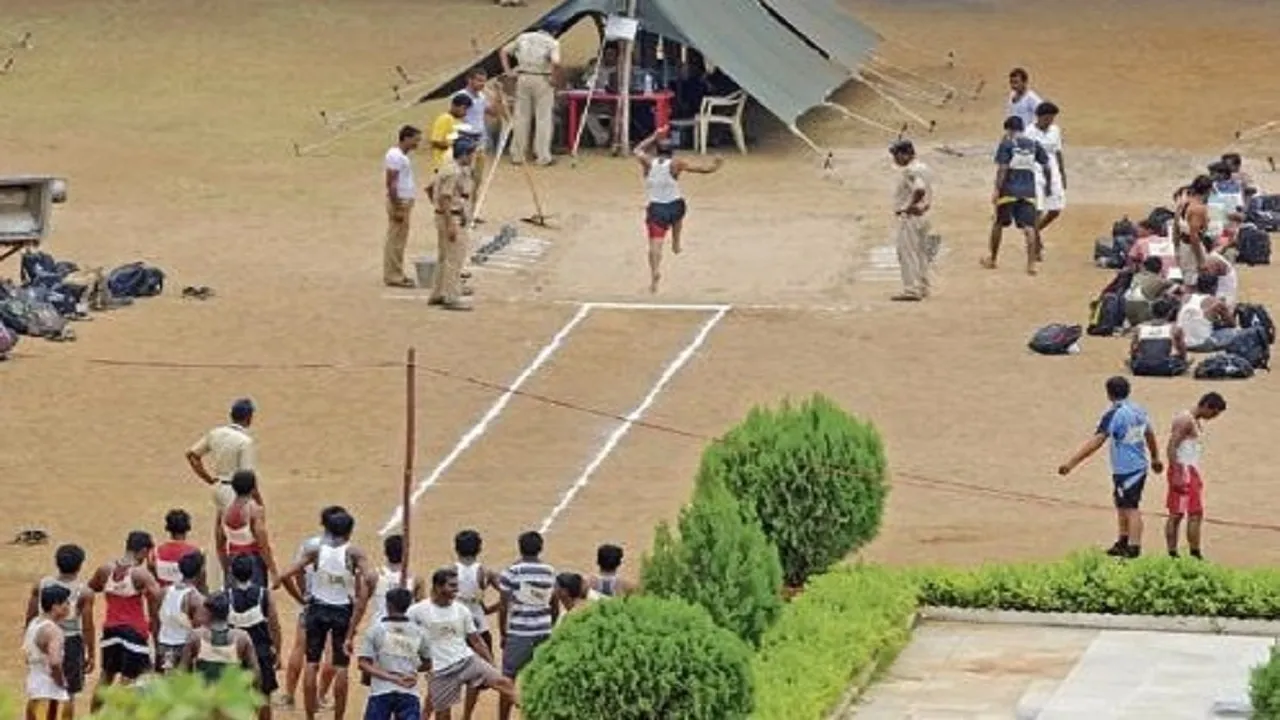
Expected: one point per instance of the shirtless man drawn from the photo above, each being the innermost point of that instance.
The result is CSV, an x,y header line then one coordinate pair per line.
x,y
242,530
1186,486
666,207
133,599
1191,226
77,626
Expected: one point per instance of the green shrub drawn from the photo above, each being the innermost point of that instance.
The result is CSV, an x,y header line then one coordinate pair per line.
x,y
813,474
184,696
1091,582
1264,688
639,658
844,622
721,561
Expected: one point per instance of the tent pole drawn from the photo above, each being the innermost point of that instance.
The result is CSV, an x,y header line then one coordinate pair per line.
x,y
897,105
586,106
624,89
865,120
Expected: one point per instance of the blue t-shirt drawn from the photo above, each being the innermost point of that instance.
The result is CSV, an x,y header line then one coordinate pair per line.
x,y
1021,155
1126,425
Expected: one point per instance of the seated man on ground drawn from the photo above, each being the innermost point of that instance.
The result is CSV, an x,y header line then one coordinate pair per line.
x,y
1151,242
1159,346
1217,265
1201,313
1148,286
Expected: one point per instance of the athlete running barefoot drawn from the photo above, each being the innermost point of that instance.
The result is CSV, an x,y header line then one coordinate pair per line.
x,y
666,206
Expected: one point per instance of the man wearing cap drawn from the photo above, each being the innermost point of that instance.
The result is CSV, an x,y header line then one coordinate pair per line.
x,y
911,201
445,126
449,193
537,56
230,448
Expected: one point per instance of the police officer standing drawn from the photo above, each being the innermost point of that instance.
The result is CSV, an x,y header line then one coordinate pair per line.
x,y
537,57
450,192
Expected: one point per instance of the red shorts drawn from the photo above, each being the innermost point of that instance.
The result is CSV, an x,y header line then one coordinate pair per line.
x,y
1190,501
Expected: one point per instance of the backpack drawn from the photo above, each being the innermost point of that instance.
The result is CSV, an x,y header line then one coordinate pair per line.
x,y
1249,315
1171,366
1223,366
1251,344
1264,211
32,317
135,279
8,339
1253,246
1054,339
1123,227
40,269
1160,217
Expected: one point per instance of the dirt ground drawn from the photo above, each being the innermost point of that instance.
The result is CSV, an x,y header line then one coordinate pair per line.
x,y
174,122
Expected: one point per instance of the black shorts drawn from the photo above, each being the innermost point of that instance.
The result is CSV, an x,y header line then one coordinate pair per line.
x,y
73,663
1020,212
125,652
266,669
660,217
1128,490
327,623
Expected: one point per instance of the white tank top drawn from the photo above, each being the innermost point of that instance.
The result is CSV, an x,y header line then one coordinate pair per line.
x,y
1229,284
660,183
1196,328
122,587
40,684
1190,450
252,616
334,583
471,592
387,579
175,623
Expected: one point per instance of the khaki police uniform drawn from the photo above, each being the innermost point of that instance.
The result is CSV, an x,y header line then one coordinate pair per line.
x,y
451,191
536,53
913,239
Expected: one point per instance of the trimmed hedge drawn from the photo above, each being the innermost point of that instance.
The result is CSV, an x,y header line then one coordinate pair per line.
x,y
721,561
1264,688
844,623
813,474
1091,582
639,658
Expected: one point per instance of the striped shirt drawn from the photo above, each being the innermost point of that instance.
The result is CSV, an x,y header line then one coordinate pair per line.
x,y
527,587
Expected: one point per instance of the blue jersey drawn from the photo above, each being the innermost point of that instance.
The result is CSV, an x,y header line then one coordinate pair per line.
x,y
1025,159
1125,424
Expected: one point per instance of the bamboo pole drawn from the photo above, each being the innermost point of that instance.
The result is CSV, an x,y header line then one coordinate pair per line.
x,y
624,88
410,447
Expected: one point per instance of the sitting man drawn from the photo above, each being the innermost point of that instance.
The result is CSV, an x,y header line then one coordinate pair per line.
x,y
1159,347
1148,286
1151,242
1228,291
1201,313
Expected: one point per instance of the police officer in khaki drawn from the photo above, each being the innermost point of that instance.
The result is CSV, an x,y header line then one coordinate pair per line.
x,y
537,56
451,191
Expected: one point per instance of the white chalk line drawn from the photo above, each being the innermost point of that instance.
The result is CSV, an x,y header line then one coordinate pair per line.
x,y
469,438
584,478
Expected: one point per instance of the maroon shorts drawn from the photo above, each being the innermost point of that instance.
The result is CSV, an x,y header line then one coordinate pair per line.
x,y
1186,491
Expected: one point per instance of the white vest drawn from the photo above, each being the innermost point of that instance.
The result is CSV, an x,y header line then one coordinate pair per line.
x,y
334,582
175,624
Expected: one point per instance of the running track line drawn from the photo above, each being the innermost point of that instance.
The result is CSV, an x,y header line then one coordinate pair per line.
x,y
469,438
632,417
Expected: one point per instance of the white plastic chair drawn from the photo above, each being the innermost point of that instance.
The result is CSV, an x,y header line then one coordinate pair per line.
x,y
725,110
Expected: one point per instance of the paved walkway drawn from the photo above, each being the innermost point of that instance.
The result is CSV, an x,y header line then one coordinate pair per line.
x,y
954,671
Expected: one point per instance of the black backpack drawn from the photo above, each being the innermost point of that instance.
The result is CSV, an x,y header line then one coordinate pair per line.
x,y
1251,344
1264,211
1224,366
1171,366
1112,253
1253,246
1160,217
135,280
1250,315
1054,339
1123,227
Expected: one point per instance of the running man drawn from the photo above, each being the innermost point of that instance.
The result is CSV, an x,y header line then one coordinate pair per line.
x,y
164,562
459,656
77,626
242,530
1051,191
606,582
339,597
527,612
253,612
1128,428
1186,485
666,206
44,646
299,588
473,580
211,650
179,613
391,652
1017,159
132,596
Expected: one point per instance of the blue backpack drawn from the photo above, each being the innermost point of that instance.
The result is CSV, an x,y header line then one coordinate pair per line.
x,y
135,280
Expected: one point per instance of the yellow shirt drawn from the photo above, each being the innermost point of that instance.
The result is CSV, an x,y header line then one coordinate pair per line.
x,y
441,129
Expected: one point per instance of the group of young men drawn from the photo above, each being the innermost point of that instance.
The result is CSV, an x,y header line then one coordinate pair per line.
x,y
1135,452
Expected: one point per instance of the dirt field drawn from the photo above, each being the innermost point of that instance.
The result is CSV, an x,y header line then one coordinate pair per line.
x,y
174,122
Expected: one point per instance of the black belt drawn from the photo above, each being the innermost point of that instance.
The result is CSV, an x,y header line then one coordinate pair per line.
x,y
451,212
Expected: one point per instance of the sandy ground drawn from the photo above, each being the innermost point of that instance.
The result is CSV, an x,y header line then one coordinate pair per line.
x,y
175,121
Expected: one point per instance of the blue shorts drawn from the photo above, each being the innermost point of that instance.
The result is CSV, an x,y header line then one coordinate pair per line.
x,y
1128,489
393,706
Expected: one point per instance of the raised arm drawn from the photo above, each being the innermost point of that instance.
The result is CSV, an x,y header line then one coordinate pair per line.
x,y
682,165
641,152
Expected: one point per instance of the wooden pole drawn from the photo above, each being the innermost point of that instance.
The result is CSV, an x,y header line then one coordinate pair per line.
x,y
624,89
410,447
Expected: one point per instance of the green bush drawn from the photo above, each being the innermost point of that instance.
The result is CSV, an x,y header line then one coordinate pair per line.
x,y
721,561
814,476
844,622
184,696
639,658
1264,688
1091,582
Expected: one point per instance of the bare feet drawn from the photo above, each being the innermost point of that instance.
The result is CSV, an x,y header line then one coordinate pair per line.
x,y
1032,268
653,284
988,263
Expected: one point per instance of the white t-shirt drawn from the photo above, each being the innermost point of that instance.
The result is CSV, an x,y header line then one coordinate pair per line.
x,y
398,161
447,630
1051,141
1024,107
